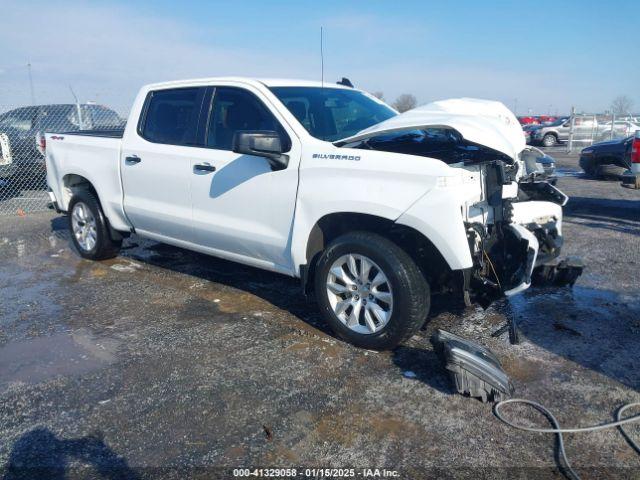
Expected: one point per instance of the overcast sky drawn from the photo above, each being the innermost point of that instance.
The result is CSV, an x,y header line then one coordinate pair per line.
x,y
538,55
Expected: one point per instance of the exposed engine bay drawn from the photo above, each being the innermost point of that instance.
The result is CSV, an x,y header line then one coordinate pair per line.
x,y
445,144
510,254
514,226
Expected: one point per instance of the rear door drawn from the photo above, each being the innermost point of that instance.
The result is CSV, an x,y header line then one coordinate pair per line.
x,y
156,163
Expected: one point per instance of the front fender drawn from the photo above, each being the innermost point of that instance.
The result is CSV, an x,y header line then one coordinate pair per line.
x,y
438,216
380,184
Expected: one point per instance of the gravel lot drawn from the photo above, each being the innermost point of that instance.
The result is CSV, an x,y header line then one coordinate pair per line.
x,y
167,363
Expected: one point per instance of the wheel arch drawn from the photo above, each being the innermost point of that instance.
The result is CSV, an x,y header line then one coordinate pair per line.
x,y
610,159
71,183
329,227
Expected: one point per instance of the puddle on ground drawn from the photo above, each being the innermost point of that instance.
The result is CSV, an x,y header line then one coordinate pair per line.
x,y
44,358
596,329
542,302
567,172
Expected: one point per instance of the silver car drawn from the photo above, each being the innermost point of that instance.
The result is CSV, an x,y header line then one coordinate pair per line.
x,y
558,131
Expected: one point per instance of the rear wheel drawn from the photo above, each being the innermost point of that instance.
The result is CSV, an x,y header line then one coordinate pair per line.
x,y
371,292
89,229
588,165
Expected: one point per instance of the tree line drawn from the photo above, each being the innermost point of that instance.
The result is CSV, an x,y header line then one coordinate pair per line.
x,y
404,102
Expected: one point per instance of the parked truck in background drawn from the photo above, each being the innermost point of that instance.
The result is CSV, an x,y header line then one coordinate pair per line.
x,y
373,210
22,130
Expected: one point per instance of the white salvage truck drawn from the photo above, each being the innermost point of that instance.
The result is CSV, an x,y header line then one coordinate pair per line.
x,y
373,210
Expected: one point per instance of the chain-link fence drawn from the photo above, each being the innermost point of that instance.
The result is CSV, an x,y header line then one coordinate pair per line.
x,y
23,173
23,186
587,129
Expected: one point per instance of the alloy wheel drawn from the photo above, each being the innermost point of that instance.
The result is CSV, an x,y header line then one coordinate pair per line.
x,y
84,226
360,293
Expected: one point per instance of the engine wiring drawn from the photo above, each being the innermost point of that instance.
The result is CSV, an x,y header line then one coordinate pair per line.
x,y
495,274
571,473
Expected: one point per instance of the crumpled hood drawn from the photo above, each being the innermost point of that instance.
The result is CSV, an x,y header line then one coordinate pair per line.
x,y
483,122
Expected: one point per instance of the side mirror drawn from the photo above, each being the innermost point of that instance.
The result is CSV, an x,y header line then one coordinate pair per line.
x,y
566,125
261,143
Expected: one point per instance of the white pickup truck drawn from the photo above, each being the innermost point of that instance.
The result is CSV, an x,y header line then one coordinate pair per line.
x,y
373,210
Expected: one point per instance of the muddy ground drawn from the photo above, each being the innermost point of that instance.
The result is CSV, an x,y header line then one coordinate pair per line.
x,y
166,363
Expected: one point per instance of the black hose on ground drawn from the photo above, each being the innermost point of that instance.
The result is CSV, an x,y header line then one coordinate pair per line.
x,y
571,473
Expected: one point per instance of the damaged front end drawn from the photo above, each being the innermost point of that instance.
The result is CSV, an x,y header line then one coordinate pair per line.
x,y
521,245
511,210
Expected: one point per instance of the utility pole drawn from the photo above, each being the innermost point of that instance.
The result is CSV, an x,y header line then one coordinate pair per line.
x,y
515,107
33,96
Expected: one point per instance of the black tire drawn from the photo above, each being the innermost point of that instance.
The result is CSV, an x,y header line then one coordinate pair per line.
x,y
411,293
549,140
588,165
105,246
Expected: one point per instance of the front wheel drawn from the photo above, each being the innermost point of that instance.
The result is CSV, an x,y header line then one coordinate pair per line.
x,y
89,229
370,292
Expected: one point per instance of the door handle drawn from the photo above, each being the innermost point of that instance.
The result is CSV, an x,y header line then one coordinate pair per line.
x,y
204,167
132,160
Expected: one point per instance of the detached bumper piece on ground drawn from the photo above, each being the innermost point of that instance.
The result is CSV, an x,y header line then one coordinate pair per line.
x,y
474,369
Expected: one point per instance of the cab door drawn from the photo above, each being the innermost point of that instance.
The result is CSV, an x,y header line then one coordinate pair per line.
x,y
245,208
156,163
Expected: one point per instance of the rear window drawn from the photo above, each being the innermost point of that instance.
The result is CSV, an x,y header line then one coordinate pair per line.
x,y
100,117
171,116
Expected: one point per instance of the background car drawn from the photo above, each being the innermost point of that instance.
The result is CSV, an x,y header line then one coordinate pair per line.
x,y
548,165
22,129
528,130
539,165
607,159
621,129
528,120
558,131
546,119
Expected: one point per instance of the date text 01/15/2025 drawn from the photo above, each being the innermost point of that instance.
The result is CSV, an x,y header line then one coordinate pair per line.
x,y
316,472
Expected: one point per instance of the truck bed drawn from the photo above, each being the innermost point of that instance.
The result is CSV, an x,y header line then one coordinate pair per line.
x,y
87,156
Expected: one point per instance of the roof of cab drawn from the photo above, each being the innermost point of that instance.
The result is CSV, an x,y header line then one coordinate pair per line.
x,y
268,82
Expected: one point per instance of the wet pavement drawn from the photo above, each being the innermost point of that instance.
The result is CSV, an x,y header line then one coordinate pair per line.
x,y
167,363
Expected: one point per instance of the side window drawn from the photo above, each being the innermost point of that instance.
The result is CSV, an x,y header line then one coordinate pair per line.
x,y
301,109
171,116
235,109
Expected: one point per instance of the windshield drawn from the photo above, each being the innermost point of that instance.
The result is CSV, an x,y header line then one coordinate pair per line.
x,y
558,122
332,113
